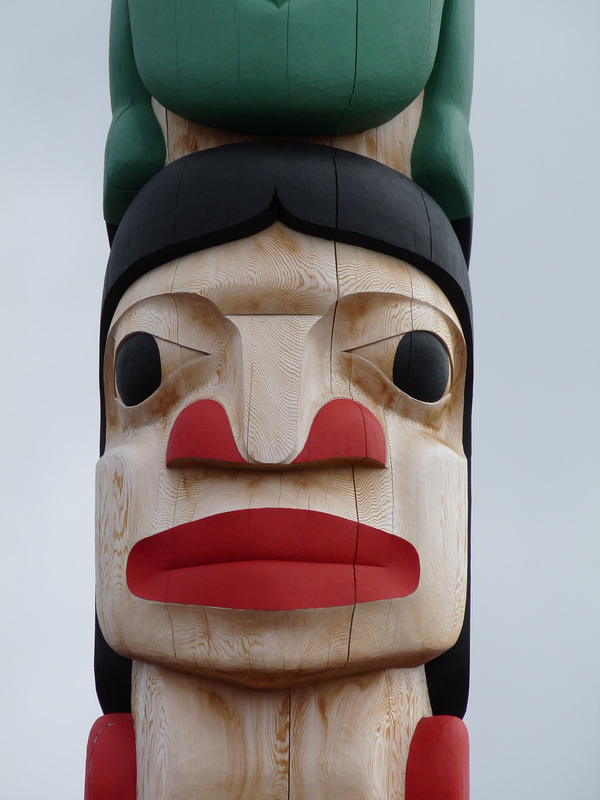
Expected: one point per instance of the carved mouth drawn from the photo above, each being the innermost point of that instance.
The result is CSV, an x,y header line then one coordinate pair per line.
x,y
272,559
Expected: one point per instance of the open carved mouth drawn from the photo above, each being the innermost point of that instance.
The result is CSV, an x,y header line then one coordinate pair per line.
x,y
272,559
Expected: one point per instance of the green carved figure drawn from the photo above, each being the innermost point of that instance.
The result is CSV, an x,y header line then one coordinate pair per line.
x,y
300,67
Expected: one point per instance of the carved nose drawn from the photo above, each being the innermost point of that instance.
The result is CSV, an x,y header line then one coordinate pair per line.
x,y
343,432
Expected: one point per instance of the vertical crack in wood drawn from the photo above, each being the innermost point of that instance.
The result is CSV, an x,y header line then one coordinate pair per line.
x,y
289,776
187,388
391,716
334,318
175,6
357,529
172,630
343,114
249,406
287,46
173,517
353,566
237,24
167,138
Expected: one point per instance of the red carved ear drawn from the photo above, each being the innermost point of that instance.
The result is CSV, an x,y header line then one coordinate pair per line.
x,y
202,431
111,763
438,760
343,430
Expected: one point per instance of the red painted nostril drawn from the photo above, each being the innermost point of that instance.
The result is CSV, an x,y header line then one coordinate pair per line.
x,y
344,430
202,431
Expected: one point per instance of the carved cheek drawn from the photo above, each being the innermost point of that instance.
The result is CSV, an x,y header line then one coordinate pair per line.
x,y
113,519
429,485
133,498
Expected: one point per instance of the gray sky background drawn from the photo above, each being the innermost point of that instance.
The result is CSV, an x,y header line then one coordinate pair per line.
x,y
534,714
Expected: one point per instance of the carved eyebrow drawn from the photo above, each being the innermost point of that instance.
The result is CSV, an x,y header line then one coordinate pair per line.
x,y
375,301
132,313
162,316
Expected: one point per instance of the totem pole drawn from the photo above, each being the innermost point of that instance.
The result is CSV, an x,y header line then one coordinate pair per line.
x,y
282,512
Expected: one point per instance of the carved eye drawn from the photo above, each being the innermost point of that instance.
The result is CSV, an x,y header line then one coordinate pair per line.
x,y
422,366
138,368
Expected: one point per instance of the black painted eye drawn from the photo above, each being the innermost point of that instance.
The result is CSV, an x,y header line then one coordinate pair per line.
x,y
421,366
137,371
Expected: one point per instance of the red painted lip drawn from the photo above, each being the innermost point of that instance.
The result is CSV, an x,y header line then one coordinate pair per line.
x,y
272,559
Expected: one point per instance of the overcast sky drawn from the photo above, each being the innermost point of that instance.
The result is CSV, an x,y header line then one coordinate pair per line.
x,y
534,713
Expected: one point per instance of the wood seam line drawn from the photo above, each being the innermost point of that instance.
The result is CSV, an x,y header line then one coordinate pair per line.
x,y
289,775
247,437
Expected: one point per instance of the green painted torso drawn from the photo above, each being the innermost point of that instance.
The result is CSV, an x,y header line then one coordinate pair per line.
x,y
294,67
318,67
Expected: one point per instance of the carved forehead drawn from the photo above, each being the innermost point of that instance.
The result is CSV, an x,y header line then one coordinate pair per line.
x,y
277,270
281,271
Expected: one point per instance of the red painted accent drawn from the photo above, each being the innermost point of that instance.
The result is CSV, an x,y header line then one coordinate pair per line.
x,y
344,430
111,766
386,566
438,760
272,559
202,430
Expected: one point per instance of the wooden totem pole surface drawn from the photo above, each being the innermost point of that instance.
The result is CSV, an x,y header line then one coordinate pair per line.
x,y
282,513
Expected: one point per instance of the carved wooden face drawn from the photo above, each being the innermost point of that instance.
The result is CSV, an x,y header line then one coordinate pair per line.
x,y
283,493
